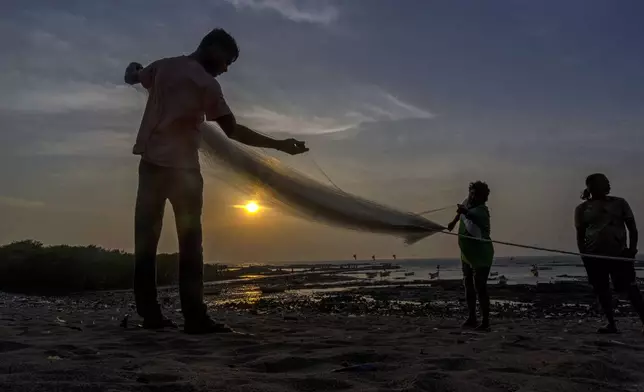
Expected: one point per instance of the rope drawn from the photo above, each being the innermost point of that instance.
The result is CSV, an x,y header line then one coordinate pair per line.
x,y
324,173
506,243
342,190
513,244
516,245
434,210
564,252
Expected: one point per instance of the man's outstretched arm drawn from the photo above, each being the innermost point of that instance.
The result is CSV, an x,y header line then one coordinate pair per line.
x,y
247,136
453,223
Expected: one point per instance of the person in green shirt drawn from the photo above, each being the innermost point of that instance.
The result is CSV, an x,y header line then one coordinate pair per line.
x,y
476,255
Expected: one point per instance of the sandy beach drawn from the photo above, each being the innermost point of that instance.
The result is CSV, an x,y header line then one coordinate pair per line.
x,y
323,342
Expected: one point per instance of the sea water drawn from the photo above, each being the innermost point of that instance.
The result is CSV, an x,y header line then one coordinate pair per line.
x,y
517,270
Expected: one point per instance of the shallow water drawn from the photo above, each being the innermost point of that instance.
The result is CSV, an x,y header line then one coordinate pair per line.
x,y
518,271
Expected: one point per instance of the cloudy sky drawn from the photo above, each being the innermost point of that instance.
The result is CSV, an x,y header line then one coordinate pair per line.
x,y
403,102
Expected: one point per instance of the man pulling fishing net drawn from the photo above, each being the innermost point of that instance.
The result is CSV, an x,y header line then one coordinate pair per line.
x,y
181,91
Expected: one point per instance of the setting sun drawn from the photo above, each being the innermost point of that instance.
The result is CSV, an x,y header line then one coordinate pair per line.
x,y
251,207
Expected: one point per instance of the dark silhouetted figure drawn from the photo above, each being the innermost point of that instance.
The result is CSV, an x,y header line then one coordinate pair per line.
x,y
476,256
182,91
601,222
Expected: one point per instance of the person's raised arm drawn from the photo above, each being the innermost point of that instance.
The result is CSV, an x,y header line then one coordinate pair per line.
x,y
477,214
249,137
132,73
459,209
453,223
135,73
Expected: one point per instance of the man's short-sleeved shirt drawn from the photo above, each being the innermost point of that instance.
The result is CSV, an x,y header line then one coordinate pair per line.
x,y
181,93
604,225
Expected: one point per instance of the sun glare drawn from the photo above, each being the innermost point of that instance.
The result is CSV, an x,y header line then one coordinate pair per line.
x,y
251,207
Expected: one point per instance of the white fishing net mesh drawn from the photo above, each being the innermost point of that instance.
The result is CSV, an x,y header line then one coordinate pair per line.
x,y
297,194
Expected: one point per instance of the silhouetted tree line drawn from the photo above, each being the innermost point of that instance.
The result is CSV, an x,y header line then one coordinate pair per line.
x,y
29,267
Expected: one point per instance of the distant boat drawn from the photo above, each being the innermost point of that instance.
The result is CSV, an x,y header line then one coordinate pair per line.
x,y
495,273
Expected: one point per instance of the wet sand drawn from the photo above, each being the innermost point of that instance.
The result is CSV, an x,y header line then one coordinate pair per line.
x,y
369,339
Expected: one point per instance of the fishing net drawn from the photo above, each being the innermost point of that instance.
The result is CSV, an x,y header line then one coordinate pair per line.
x,y
299,195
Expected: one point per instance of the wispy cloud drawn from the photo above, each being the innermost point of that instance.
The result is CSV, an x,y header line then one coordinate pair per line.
x,y
405,109
273,121
51,97
357,106
309,11
91,143
20,203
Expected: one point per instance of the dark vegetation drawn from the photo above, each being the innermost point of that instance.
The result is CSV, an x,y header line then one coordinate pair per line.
x,y
32,268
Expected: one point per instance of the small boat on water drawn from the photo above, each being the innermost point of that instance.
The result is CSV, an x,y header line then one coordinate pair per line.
x,y
495,273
